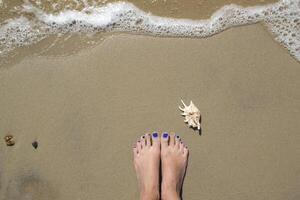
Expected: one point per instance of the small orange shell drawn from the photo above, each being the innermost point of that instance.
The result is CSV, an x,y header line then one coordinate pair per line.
x,y
9,140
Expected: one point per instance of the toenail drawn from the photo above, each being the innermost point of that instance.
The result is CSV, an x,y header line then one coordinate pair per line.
x,y
155,134
165,135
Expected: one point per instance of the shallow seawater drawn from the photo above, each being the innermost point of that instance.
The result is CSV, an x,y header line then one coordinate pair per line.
x,y
46,24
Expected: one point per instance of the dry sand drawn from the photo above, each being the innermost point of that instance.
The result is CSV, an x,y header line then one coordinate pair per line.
x,y
87,109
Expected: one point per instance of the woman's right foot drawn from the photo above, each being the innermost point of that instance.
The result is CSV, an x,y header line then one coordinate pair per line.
x,y
146,162
174,158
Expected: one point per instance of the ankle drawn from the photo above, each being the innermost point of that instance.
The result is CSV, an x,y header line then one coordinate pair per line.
x,y
171,195
149,197
169,192
152,194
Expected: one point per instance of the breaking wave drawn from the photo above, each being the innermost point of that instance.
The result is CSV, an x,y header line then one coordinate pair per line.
x,y
281,18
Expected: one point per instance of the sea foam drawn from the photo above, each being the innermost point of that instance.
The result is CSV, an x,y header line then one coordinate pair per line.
x,y
282,19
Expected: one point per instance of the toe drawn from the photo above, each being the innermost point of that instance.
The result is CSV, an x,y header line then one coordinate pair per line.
x,y
164,139
155,139
172,139
143,141
177,141
148,140
139,146
181,147
135,151
185,151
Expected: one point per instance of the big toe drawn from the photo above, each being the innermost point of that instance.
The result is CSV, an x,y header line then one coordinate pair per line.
x,y
155,140
164,139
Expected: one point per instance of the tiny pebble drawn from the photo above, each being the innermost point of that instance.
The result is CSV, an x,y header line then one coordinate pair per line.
x,y
35,144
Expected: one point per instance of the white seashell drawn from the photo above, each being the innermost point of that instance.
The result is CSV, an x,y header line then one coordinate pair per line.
x,y
191,114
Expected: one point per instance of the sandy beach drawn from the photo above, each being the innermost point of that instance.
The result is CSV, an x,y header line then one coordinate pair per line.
x,y
86,110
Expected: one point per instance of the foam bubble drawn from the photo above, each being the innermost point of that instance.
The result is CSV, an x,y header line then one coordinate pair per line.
x,y
282,19
18,32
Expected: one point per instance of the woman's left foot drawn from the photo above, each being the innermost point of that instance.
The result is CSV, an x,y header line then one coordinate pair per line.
x,y
146,163
174,159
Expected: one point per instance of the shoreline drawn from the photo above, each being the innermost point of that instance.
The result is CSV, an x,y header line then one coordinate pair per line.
x,y
122,17
85,111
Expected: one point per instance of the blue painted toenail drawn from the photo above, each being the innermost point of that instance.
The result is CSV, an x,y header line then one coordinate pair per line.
x,y
155,134
165,135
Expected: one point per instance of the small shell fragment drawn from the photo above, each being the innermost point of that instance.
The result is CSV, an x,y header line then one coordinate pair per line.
x,y
9,140
191,114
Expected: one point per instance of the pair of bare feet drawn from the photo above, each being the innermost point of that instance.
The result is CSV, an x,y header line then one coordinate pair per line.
x,y
163,156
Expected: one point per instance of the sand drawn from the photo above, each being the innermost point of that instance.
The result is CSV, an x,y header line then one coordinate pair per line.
x,y
86,110
195,9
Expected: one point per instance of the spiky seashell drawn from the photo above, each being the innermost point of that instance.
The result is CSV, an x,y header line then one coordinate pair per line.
x,y
191,114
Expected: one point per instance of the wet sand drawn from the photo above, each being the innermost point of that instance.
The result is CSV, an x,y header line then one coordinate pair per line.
x,y
194,9
86,110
